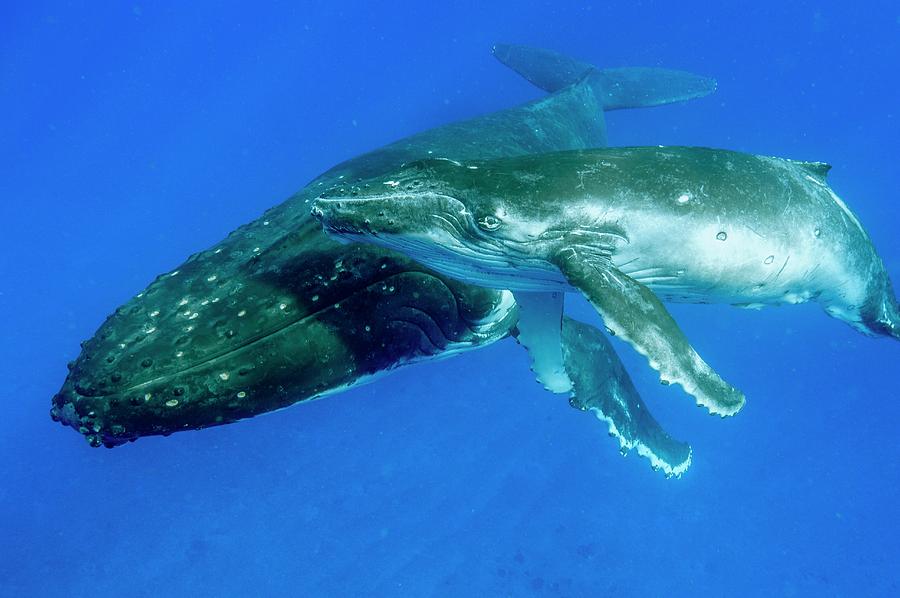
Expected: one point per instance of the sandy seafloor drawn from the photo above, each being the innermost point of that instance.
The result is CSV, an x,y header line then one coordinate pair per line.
x,y
133,134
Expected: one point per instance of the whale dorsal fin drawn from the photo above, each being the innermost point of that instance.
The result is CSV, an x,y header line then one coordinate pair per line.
x,y
817,169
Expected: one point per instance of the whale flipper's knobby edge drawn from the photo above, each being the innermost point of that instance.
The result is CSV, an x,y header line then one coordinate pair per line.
x,y
633,313
601,385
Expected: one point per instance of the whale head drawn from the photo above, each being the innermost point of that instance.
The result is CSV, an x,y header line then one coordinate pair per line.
x,y
480,227
275,314
230,334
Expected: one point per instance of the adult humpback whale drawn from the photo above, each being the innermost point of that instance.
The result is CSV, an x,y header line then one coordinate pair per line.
x,y
623,225
277,313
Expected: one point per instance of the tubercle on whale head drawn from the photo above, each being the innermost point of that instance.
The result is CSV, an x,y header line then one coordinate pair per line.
x,y
202,347
437,175
414,200
421,196
217,392
439,206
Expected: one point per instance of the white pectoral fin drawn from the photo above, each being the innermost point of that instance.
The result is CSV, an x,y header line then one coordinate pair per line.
x,y
539,330
601,385
632,312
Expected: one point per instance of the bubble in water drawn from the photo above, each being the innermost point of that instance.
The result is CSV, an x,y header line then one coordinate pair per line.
x,y
722,235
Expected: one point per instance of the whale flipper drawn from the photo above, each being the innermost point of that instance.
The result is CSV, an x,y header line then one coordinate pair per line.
x,y
616,88
632,312
540,319
600,384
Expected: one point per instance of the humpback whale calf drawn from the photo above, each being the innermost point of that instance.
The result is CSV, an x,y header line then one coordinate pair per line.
x,y
277,313
627,227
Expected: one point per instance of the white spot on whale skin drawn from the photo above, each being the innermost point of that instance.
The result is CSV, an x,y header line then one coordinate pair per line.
x,y
392,183
683,198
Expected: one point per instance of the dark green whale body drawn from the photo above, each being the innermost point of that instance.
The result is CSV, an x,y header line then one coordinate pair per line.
x,y
277,313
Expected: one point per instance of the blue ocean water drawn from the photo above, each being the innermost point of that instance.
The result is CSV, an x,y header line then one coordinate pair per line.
x,y
134,134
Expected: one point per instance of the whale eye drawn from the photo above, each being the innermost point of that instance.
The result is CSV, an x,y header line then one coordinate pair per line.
x,y
489,222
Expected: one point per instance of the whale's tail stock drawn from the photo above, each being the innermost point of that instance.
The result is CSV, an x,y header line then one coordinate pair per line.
x,y
629,87
880,315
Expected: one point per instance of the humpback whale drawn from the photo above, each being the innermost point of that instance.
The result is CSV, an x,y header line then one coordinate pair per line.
x,y
628,227
277,313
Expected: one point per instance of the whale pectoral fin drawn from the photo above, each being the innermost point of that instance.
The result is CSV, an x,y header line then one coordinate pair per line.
x,y
601,385
632,312
540,321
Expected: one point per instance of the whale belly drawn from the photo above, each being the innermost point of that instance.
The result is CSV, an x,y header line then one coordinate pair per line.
x,y
715,263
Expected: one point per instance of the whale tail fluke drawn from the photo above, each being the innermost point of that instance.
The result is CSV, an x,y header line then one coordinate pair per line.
x,y
546,69
630,87
642,87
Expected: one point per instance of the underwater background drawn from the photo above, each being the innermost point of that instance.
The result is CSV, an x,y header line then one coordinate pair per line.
x,y
134,134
